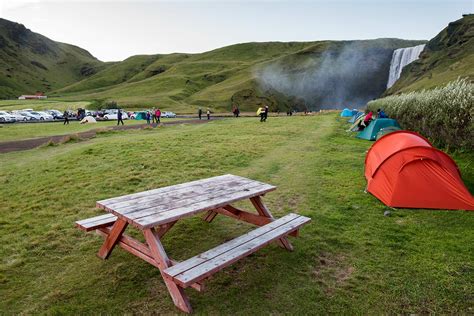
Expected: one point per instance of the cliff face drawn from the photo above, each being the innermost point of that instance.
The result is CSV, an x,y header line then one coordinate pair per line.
x,y
30,62
447,56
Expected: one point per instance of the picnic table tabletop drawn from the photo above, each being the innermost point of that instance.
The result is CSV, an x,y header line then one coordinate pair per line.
x,y
165,205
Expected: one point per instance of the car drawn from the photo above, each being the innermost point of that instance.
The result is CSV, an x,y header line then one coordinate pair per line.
x,y
112,115
46,116
57,115
6,117
168,114
18,117
40,115
29,116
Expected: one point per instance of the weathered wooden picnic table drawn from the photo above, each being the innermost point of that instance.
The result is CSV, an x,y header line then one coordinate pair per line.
x,y
154,212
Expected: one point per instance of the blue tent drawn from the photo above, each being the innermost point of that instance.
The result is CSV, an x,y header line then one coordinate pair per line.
x,y
370,132
346,113
355,117
355,111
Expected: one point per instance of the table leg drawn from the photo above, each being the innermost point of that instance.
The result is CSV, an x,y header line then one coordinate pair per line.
x,y
264,211
158,252
112,239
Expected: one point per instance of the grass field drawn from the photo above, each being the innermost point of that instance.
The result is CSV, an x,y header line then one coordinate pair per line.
x,y
9,132
350,259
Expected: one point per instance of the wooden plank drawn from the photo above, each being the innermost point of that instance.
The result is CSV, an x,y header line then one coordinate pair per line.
x,y
264,211
112,239
158,252
209,216
181,193
246,216
255,188
223,260
176,187
172,200
207,255
143,252
96,222
155,219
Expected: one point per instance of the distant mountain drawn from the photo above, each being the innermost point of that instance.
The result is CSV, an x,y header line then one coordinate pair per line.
x,y
446,57
301,75
30,62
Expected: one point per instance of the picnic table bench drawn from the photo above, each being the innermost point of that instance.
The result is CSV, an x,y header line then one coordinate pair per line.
x,y
154,212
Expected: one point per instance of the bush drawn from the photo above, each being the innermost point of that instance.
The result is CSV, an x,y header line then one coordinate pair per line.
x,y
444,114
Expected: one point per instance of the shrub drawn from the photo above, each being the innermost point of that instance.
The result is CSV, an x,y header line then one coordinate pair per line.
x,y
444,114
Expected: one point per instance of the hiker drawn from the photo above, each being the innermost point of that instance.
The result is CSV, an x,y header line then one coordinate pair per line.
x,y
158,116
366,121
199,113
119,117
153,111
261,112
148,116
265,113
66,118
208,114
381,114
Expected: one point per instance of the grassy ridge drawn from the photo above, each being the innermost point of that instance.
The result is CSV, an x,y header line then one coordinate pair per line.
x,y
30,62
350,259
217,79
447,57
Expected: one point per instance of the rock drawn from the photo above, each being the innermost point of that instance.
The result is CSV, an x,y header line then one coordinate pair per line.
x,y
387,213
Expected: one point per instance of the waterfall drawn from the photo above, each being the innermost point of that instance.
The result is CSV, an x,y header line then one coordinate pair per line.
x,y
400,58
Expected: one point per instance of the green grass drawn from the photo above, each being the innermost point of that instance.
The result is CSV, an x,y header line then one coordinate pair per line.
x,y
350,259
10,132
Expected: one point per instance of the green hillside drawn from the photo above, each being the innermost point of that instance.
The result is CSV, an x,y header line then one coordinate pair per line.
x,y
224,77
446,57
30,62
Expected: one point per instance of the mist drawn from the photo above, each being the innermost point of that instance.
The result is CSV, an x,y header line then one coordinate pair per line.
x,y
344,75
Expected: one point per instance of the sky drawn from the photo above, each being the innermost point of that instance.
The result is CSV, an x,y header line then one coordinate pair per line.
x,y
114,30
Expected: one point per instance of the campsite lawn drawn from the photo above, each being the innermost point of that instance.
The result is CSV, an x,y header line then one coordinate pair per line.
x,y
350,259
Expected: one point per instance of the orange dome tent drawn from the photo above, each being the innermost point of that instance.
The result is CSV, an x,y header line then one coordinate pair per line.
x,y
404,170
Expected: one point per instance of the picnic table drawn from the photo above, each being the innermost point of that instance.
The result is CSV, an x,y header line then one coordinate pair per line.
x,y
154,212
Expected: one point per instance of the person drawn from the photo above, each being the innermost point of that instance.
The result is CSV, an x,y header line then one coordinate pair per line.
x,y
366,121
158,116
119,117
200,113
261,112
265,113
381,114
148,115
66,118
208,114
153,112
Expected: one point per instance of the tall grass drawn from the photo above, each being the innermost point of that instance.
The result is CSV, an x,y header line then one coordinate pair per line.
x,y
443,114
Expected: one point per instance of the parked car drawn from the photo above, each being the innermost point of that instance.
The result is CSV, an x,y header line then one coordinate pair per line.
x,y
57,115
40,115
45,116
18,117
29,116
112,115
168,114
6,117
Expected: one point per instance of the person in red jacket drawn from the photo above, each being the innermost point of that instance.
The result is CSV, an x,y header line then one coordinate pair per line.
x,y
366,121
158,115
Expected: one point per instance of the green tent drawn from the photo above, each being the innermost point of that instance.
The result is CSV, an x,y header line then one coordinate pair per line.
x,y
370,132
387,130
140,116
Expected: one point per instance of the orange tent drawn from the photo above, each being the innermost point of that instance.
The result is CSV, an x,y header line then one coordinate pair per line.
x,y
404,170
